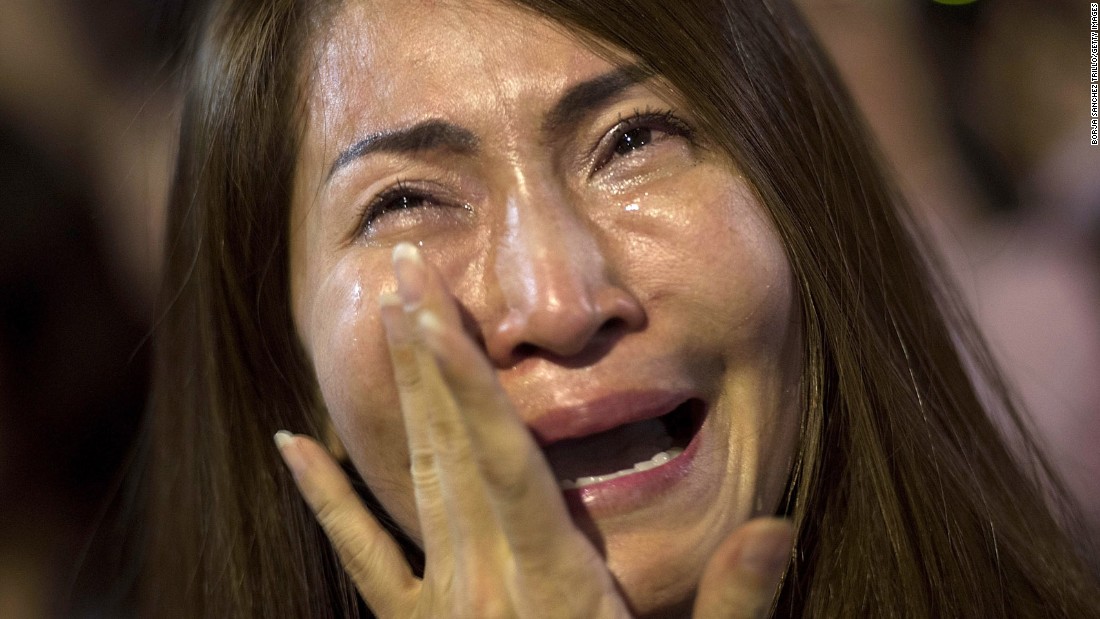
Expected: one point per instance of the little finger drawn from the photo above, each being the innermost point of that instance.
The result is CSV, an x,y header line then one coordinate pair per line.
x,y
371,557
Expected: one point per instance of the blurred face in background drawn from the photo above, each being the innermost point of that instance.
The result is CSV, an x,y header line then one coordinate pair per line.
x,y
621,275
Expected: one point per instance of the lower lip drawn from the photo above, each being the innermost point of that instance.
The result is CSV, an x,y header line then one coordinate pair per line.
x,y
630,492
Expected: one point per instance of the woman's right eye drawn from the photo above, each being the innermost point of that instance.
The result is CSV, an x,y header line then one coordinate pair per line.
x,y
388,204
399,197
400,207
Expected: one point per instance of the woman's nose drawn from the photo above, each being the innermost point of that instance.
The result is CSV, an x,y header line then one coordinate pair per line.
x,y
561,296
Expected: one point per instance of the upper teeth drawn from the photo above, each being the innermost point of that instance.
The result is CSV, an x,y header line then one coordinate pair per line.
x,y
657,460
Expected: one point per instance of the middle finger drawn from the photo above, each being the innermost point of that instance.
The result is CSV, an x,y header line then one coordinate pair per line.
x,y
475,536
526,496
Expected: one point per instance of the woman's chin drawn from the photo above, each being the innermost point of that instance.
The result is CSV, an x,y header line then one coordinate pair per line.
x,y
657,552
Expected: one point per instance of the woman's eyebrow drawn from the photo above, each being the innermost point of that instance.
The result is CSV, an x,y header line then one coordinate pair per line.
x,y
426,135
581,99
577,102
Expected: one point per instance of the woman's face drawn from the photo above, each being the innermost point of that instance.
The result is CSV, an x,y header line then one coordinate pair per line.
x,y
615,269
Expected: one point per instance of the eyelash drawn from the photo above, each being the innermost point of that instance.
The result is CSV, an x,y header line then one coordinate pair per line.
x,y
400,196
385,202
665,121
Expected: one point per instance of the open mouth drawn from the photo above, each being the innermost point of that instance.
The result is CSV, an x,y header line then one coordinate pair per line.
x,y
627,449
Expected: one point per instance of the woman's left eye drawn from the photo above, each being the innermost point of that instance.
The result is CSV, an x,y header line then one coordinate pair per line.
x,y
633,140
638,131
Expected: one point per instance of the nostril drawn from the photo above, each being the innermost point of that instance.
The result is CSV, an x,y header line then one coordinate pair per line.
x,y
612,325
524,350
584,351
565,329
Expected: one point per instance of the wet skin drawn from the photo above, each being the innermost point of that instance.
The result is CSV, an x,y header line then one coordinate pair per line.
x,y
597,248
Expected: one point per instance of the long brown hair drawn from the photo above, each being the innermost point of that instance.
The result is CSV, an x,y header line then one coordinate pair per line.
x,y
907,499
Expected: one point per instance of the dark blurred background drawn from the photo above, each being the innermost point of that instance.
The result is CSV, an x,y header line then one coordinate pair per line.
x,y
982,109
87,102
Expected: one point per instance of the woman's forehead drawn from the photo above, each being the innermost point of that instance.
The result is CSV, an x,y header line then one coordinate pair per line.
x,y
385,63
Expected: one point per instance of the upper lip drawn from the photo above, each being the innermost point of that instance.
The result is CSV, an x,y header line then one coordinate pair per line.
x,y
604,413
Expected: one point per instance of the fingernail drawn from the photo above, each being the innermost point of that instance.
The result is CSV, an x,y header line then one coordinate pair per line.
x,y
411,277
283,438
768,552
430,330
389,299
287,449
429,323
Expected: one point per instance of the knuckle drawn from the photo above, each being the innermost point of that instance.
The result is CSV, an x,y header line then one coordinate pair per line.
x,y
507,471
337,524
407,378
422,469
490,607
485,599
359,560
328,512
355,560
473,391
447,431
402,353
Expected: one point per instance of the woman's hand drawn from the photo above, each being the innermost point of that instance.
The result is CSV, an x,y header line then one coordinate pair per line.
x,y
497,535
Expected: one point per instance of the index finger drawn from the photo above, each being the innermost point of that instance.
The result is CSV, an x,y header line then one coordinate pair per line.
x,y
524,492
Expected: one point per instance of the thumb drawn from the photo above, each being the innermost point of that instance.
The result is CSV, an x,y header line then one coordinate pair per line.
x,y
741,577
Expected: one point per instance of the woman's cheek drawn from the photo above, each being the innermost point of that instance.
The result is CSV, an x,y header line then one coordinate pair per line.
x,y
356,380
